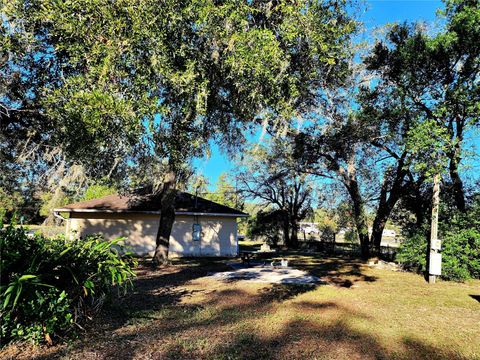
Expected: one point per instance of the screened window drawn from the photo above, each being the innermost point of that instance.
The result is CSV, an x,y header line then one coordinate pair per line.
x,y
197,232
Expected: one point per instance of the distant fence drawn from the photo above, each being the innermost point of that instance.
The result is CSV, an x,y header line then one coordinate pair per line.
x,y
331,247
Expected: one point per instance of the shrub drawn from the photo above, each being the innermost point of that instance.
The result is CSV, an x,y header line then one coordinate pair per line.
x,y
266,226
461,254
413,251
50,284
460,237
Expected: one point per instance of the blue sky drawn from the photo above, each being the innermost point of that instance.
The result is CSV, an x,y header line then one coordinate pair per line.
x,y
381,12
378,13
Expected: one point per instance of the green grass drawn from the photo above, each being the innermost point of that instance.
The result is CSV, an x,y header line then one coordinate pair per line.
x,y
357,312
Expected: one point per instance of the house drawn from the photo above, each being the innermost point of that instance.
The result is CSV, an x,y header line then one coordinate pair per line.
x,y
309,228
201,228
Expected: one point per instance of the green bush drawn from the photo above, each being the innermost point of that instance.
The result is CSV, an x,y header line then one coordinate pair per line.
x,y
50,284
413,251
460,235
265,225
351,236
461,254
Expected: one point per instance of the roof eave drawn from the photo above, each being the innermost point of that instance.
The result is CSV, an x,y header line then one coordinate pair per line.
x,y
210,214
104,211
193,213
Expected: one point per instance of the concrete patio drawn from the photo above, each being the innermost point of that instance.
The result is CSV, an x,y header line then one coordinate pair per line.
x,y
265,273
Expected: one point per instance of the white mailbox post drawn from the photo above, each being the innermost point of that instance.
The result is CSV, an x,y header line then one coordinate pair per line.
x,y
435,266
435,263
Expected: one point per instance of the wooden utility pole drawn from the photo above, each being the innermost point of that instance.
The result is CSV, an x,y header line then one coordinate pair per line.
x,y
435,258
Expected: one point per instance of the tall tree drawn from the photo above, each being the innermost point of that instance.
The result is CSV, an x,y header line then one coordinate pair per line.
x,y
420,80
26,156
362,150
198,184
142,83
270,178
437,76
226,193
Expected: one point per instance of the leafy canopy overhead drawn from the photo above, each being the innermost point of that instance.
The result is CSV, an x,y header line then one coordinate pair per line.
x,y
430,84
138,82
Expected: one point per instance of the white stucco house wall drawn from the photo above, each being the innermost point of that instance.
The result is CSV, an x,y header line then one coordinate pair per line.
x,y
201,227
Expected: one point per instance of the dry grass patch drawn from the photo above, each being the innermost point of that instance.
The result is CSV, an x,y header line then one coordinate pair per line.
x,y
357,313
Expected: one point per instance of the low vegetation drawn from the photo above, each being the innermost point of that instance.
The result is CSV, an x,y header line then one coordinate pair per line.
x,y
460,242
357,312
49,285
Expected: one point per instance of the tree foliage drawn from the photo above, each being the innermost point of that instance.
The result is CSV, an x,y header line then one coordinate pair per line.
x,y
226,193
138,85
436,78
460,235
403,122
269,176
141,81
95,191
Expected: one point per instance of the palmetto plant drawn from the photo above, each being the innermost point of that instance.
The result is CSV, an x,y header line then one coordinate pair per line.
x,y
50,284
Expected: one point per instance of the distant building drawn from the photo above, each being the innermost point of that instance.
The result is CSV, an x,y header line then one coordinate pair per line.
x,y
386,232
309,228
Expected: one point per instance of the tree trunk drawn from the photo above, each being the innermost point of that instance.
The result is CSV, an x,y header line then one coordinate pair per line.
x,y
286,233
167,218
384,210
294,237
377,232
457,184
359,218
381,217
379,225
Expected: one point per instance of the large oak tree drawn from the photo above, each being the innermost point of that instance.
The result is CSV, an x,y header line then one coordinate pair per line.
x,y
269,176
423,99
144,85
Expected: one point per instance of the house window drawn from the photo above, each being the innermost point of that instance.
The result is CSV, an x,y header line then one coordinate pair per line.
x,y
197,232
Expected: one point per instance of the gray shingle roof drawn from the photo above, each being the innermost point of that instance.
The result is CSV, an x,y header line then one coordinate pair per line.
x,y
184,203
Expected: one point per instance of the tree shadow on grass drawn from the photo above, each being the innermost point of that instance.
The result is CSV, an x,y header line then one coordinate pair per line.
x,y
156,289
163,290
234,324
343,271
475,297
303,339
153,313
282,292
153,322
307,339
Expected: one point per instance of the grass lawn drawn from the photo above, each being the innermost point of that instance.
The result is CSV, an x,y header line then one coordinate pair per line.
x,y
358,313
